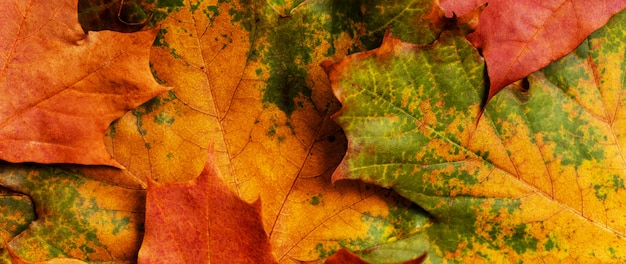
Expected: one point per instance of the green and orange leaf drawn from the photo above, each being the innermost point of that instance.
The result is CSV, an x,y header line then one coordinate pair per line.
x,y
76,217
16,212
541,174
245,75
15,259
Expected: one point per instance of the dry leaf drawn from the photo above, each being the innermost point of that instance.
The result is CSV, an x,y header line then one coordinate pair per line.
x,y
246,76
15,259
344,256
16,212
521,37
76,217
540,179
460,7
62,88
202,221
249,79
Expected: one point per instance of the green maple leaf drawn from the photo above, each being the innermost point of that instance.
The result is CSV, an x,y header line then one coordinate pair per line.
x,y
540,178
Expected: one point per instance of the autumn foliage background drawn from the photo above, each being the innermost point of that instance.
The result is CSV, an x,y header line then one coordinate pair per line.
x,y
170,131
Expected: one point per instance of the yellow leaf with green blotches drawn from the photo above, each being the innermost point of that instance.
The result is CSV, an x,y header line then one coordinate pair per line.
x,y
76,217
540,178
16,212
246,75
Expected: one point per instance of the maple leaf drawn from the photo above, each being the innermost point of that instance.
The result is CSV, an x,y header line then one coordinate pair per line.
x,y
245,74
249,80
202,221
62,88
77,217
520,37
541,179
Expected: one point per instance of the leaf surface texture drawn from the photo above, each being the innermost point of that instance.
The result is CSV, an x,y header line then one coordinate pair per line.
x,y
541,174
62,88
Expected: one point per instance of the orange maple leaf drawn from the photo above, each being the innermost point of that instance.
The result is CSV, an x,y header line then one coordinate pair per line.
x,y
62,88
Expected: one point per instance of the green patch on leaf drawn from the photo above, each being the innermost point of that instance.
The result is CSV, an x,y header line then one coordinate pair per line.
x,y
16,212
406,219
550,244
112,130
163,118
520,240
399,223
150,107
245,13
163,8
272,130
600,192
194,6
418,22
292,43
78,221
287,42
170,5
156,75
211,12
316,199
120,224
159,41
539,174
323,251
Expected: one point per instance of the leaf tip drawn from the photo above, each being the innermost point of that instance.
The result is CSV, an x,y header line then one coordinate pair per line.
x,y
338,174
344,256
328,66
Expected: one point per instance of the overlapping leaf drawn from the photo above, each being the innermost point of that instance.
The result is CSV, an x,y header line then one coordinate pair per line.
x,y
460,7
541,179
62,88
246,75
343,256
76,217
164,138
16,212
15,259
202,221
520,37
115,15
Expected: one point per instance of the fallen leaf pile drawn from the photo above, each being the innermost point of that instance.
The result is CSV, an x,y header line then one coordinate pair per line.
x,y
203,131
